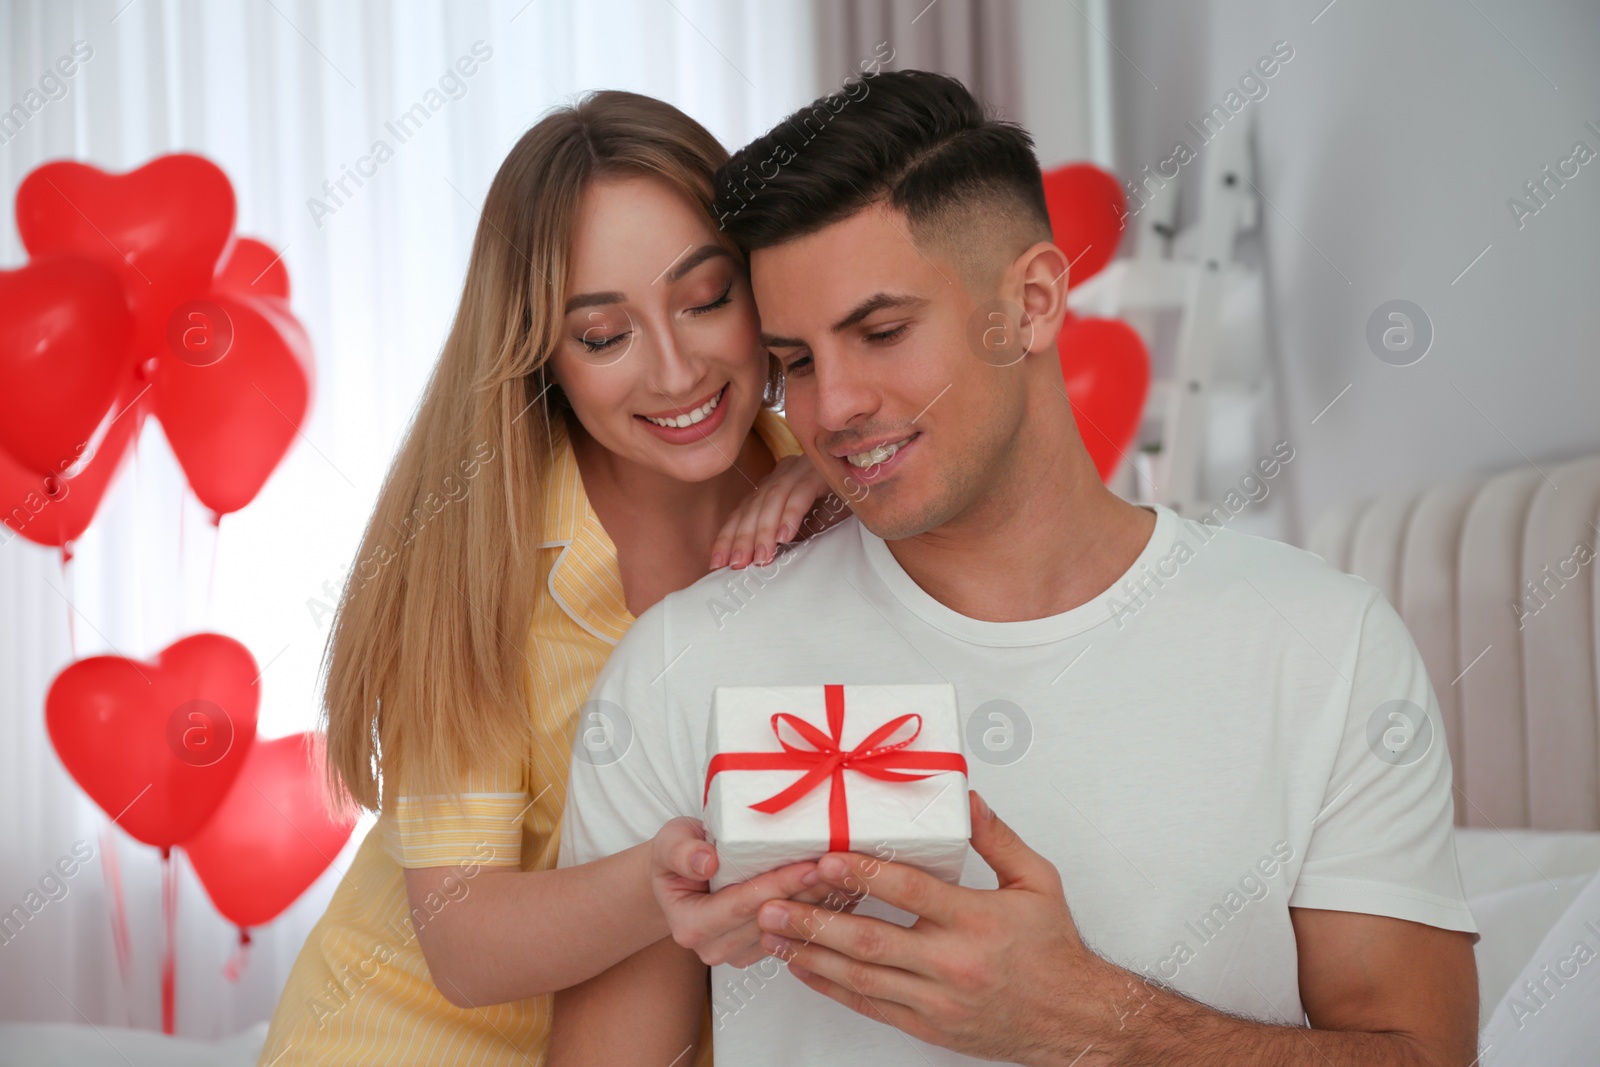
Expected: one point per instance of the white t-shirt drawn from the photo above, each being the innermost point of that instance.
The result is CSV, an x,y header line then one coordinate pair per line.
x,y
1232,729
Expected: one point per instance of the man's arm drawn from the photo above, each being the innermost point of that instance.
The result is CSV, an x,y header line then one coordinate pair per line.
x,y
1371,972
1377,991
1003,974
645,1010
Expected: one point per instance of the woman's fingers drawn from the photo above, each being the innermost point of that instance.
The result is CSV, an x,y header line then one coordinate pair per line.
x,y
721,926
680,848
769,526
744,538
787,506
727,539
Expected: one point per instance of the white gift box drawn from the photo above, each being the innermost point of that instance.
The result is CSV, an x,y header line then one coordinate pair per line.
x,y
763,741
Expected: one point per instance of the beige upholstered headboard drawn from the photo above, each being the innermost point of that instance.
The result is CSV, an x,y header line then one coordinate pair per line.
x,y
1499,582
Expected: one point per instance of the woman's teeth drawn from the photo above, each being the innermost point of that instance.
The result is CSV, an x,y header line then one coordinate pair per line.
x,y
880,454
692,417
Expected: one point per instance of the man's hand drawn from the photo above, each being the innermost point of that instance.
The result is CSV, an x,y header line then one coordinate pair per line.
x,y
998,974
720,927
1002,974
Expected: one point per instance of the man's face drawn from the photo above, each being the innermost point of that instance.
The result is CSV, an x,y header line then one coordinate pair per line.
x,y
882,389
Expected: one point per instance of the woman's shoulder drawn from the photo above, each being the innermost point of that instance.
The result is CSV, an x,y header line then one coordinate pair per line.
x,y
774,431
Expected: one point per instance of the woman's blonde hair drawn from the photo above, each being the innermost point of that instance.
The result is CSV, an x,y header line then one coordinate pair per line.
x,y
425,669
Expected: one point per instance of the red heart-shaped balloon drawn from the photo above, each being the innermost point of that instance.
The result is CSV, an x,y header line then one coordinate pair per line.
x,y
55,509
162,227
64,340
1086,211
233,404
1107,371
273,835
157,743
252,267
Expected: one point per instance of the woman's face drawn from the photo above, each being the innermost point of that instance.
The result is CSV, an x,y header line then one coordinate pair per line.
x,y
659,355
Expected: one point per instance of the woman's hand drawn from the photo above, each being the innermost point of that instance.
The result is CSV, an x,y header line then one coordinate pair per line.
x,y
720,927
790,504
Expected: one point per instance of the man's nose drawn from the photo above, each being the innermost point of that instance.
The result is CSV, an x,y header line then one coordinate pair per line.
x,y
845,390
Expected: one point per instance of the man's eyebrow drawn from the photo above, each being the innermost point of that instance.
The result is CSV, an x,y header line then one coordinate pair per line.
x,y
875,302
774,341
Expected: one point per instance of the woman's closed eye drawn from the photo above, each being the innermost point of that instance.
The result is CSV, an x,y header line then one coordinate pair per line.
x,y
601,334
600,344
721,301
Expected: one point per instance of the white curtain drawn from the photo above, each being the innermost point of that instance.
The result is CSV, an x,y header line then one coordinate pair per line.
x,y
283,94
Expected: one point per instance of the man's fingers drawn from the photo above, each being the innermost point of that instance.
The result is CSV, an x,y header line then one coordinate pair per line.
x,y
905,887
854,982
834,898
861,938
1013,862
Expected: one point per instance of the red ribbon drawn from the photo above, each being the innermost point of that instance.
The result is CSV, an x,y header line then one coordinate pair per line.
x,y
827,759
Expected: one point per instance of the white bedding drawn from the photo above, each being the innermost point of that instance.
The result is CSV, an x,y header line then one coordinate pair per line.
x,y
1532,894
1536,897
72,1045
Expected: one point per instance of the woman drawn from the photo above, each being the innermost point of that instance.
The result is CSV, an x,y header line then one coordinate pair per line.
x,y
605,396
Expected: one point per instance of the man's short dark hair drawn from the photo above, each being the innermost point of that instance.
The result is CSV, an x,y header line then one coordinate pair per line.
x,y
915,140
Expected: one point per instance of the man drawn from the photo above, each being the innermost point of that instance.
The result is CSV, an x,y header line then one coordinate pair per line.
x,y
1203,843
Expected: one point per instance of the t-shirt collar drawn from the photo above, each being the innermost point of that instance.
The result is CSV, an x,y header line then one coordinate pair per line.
x,y
1067,624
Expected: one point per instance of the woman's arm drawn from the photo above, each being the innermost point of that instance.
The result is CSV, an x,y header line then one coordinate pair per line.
x,y
646,1010
503,934
510,934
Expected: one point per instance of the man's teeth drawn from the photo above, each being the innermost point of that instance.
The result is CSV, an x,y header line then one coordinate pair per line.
x,y
874,456
692,417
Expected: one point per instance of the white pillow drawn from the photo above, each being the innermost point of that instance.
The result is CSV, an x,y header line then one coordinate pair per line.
x,y
1557,1022
1518,884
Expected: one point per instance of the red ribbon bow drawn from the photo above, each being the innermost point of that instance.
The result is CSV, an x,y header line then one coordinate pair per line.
x,y
827,759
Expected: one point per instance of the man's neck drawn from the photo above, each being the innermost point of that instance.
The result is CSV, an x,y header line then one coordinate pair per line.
x,y
1046,538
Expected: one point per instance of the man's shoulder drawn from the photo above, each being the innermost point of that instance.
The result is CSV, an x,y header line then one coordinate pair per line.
x,y
1226,558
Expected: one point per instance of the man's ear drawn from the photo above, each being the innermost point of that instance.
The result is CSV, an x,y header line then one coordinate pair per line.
x,y
1039,276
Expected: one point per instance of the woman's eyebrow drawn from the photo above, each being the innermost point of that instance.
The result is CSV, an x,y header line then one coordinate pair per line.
x,y
583,300
684,264
675,270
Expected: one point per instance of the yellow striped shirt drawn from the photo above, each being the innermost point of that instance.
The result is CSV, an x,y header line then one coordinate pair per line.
x,y
360,991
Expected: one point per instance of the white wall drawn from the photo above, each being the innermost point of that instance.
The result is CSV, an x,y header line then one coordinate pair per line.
x,y
1389,147
1054,77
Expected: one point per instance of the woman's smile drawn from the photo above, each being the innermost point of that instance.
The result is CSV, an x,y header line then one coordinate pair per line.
x,y
691,422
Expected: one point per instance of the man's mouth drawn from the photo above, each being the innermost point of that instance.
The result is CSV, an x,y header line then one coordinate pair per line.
x,y
877,454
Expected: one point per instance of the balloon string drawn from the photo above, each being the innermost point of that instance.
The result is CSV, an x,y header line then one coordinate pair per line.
x,y
111,868
234,969
211,580
72,613
169,954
